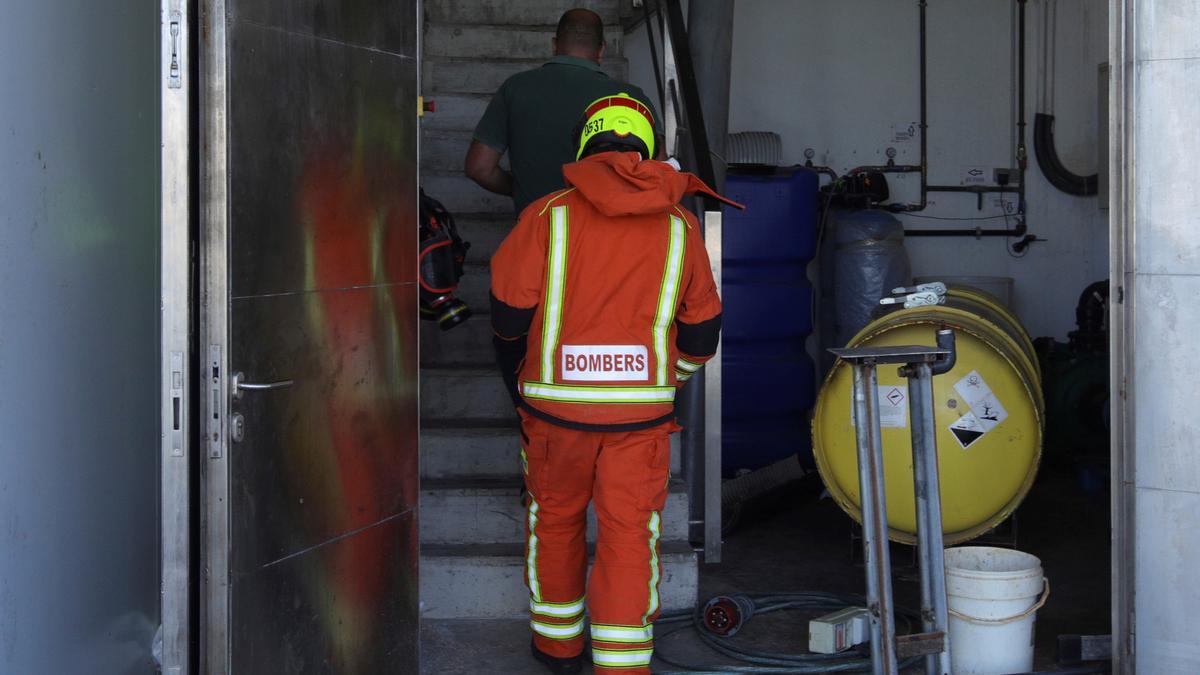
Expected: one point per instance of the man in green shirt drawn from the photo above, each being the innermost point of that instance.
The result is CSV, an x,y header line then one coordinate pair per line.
x,y
533,115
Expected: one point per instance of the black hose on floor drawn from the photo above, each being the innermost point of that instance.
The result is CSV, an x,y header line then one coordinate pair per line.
x,y
760,661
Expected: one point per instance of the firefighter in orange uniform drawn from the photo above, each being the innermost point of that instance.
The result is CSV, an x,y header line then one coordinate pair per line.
x,y
603,304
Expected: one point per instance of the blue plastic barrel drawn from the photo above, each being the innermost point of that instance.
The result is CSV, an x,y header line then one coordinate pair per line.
x,y
768,383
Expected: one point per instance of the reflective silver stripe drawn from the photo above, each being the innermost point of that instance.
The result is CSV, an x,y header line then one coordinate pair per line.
x,y
684,364
556,280
578,394
668,296
560,610
524,462
617,659
682,376
535,589
608,633
558,631
654,527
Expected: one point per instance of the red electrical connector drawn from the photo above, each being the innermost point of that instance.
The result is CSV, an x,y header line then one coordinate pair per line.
x,y
724,615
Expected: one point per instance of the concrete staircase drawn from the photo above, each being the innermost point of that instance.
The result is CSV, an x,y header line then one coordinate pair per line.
x,y
471,512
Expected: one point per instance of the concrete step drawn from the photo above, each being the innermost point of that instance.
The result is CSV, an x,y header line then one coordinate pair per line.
x,y
443,151
450,394
475,286
457,451
460,194
467,344
471,76
502,41
486,581
455,112
457,646
485,231
525,13
491,511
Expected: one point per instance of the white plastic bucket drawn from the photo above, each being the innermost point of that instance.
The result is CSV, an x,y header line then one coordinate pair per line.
x,y
993,595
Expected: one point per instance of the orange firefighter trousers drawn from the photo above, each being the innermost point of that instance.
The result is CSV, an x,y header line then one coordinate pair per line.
x,y
625,474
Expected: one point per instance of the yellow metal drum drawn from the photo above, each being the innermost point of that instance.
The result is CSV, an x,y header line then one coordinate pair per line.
x,y
987,410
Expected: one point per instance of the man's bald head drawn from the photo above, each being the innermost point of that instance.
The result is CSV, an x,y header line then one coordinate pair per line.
x,y
580,33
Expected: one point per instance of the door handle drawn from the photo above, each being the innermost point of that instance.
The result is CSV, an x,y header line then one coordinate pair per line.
x,y
239,386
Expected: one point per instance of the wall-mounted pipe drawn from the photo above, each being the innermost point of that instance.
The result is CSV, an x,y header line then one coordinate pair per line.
x,y
977,232
923,168
978,190
924,122
823,170
1022,151
1044,147
1052,167
975,189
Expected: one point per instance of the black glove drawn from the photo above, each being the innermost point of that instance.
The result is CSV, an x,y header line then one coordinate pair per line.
x,y
509,356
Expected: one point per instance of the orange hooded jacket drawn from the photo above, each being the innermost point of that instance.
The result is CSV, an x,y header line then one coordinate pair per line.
x,y
604,290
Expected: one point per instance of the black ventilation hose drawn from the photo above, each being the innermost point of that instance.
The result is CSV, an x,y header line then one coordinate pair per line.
x,y
1047,158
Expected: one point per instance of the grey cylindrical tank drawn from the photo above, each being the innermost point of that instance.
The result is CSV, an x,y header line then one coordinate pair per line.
x,y
869,261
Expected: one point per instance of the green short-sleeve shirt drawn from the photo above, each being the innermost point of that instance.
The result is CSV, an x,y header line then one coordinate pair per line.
x,y
533,116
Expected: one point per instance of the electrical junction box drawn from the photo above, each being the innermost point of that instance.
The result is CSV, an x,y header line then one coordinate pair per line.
x,y
1009,177
838,631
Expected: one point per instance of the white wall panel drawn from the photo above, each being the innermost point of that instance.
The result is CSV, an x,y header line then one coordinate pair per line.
x,y
1168,203
1167,419
1156,135
1167,595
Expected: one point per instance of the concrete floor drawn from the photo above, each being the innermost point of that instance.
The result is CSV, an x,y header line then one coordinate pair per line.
x,y
795,541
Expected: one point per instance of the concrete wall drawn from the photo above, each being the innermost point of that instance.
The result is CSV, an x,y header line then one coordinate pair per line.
x,y
79,306
1155,207
841,76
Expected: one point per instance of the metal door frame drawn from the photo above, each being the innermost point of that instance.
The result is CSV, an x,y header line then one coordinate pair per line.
x,y
214,337
175,380
700,444
1122,330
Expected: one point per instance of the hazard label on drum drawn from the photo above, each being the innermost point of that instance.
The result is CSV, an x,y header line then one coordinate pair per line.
x,y
984,410
893,407
967,429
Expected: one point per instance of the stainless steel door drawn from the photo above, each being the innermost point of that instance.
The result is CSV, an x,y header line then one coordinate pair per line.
x,y
309,296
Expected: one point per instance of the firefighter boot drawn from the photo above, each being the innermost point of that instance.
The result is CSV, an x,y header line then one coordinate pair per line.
x,y
554,664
